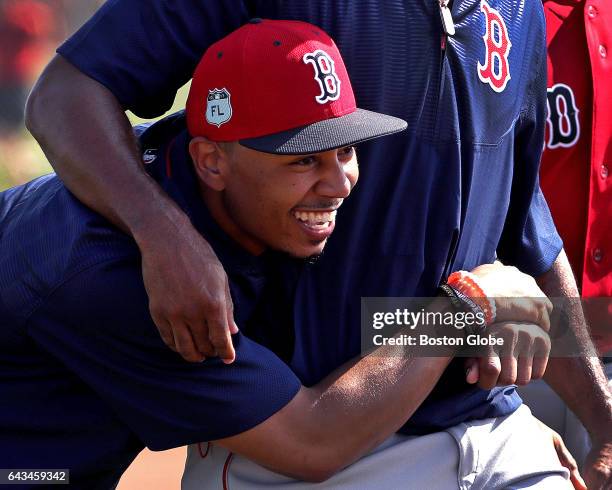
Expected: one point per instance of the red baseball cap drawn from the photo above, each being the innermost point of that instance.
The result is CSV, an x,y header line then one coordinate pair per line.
x,y
279,86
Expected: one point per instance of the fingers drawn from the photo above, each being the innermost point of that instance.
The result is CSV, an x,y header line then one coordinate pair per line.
x,y
189,297
233,328
212,327
197,334
540,357
522,357
178,336
516,365
565,457
531,354
541,352
509,370
185,345
489,369
195,341
490,366
199,331
567,460
543,310
508,355
524,370
539,367
472,373
165,331
219,335
576,477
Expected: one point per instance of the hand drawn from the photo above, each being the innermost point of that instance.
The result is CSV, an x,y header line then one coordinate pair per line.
x,y
565,457
517,296
522,357
598,465
189,297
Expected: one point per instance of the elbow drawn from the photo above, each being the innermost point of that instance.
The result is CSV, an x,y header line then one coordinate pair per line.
x,y
317,477
307,466
38,104
31,107
316,473
55,95
315,465
322,474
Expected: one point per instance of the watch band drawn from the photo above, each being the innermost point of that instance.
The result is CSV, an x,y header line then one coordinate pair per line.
x,y
465,304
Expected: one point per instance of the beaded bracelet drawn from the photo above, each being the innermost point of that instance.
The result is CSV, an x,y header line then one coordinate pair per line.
x,y
467,283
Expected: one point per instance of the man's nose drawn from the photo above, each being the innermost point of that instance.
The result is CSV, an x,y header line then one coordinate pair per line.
x,y
338,177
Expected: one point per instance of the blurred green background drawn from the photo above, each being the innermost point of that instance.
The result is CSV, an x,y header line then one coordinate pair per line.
x,y
30,31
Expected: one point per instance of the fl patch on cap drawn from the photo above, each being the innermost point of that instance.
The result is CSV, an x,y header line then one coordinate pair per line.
x,y
279,87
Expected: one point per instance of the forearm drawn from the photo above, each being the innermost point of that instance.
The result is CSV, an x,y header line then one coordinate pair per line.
x,y
579,380
350,412
370,402
102,166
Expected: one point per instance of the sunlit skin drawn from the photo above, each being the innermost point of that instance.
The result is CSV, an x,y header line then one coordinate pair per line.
x,y
255,196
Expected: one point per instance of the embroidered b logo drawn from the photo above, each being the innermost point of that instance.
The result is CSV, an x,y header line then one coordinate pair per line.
x,y
563,123
495,71
325,75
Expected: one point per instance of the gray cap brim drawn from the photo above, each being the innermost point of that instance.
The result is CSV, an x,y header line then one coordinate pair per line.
x,y
328,134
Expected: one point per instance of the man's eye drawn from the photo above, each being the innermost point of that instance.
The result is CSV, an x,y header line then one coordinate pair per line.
x,y
309,160
347,151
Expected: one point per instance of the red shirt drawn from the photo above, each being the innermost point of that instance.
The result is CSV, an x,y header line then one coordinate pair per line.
x,y
577,161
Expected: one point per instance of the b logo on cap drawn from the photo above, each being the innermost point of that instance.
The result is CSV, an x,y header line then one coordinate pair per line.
x,y
218,107
325,75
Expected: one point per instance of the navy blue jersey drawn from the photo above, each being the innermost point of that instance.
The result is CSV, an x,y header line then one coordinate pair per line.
x,y
86,381
459,187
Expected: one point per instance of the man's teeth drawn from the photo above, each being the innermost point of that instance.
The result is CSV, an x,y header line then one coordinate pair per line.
x,y
316,220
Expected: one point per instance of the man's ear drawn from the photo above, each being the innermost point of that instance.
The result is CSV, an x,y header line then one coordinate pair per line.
x,y
209,161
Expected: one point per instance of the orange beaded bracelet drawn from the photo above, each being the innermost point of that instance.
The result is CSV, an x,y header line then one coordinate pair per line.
x,y
467,283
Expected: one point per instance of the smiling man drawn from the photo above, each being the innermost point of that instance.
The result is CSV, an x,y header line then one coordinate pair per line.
x,y
265,98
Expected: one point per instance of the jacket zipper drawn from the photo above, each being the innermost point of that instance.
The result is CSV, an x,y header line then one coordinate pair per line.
x,y
448,26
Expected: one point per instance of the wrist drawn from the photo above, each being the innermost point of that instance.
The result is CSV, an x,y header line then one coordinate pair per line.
x,y
137,205
155,218
451,337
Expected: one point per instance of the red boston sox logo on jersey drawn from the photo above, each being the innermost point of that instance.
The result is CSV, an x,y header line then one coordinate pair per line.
x,y
495,70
